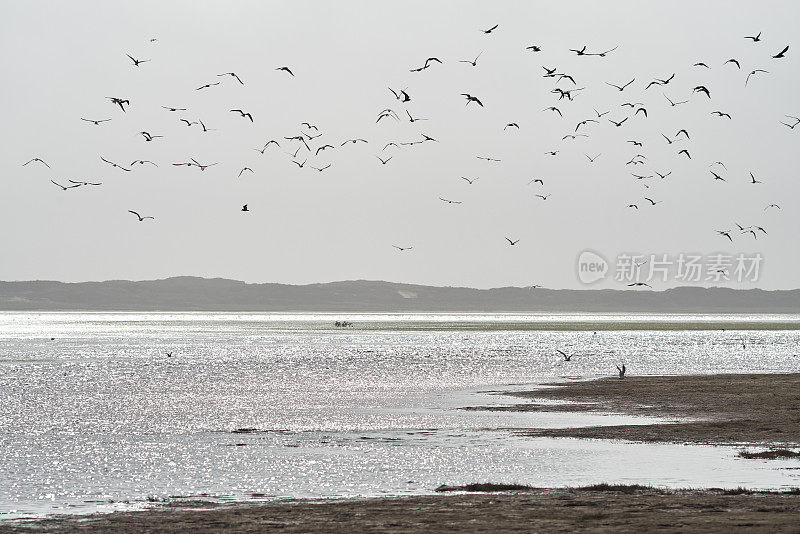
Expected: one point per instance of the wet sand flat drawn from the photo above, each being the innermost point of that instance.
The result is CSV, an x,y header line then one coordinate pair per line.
x,y
752,409
558,510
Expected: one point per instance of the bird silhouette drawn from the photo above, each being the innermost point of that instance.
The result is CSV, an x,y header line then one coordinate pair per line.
x,y
471,98
38,160
621,87
96,122
782,53
114,164
141,218
512,242
490,30
752,72
474,62
64,188
137,62
121,102
149,137
243,114
286,69
233,74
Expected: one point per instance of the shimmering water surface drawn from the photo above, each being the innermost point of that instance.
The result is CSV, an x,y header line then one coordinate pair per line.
x,y
93,413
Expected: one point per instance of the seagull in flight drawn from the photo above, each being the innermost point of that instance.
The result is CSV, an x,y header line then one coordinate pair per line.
x,y
567,357
640,284
754,181
673,104
85,183
772,206
206,86
244,169
286,69
142,162
488,158
119,101
450,201
114,164
512,243
139,216
755,38
471,98
755,71
545,197
401,249
168,108
243,114
622,87
40,160
470,181
384,161
782,53
137,62
721,114
96,122
490,30
64,188
726,234
474,62
232,74
148,136
414,119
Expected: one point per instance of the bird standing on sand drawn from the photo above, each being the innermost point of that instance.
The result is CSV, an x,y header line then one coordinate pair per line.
x,y
621,371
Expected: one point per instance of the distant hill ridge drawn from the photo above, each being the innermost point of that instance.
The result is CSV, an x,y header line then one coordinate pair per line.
x,y
186,293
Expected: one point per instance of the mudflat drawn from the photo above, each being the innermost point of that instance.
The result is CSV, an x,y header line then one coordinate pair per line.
x,y
753,409
615,509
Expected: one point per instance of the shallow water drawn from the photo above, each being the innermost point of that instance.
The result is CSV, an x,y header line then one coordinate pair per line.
x,y
100,413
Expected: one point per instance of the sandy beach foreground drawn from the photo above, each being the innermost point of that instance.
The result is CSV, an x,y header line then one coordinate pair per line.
x,y
758,410
560,510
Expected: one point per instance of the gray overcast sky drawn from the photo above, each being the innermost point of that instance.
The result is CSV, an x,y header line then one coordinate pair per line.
x,y
61,59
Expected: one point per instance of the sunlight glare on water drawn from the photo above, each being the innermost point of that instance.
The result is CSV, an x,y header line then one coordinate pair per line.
x,y
100,413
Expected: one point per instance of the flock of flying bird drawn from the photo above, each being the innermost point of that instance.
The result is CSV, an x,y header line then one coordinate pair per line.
x,y
305,146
